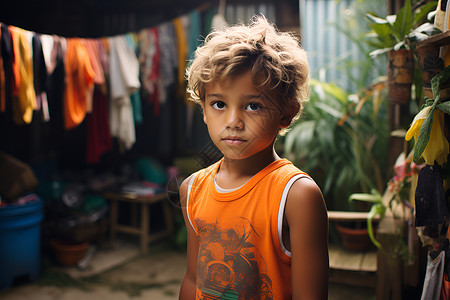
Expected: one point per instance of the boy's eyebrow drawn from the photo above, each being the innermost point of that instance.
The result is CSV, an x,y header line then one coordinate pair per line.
x,y
214,95
253,96
245,97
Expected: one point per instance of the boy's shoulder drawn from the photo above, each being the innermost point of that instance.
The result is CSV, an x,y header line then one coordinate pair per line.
x,y
207,170
201,173
284,165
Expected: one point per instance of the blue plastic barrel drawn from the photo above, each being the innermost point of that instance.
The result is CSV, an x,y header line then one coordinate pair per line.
x,y
20,242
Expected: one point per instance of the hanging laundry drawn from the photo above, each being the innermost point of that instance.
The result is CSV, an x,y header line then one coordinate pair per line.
x,y
2,81
47,43
182,55
218,20
40,77
55,83
7,58
135,98
98,133
445,288
430,200
169,57
147,50
55,92
195,33
103,55
24,97
149,59
124,81
92,48
79,82
99,77
193,42
433,277
73,70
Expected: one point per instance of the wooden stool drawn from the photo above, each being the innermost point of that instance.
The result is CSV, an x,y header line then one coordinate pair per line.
x,y
141,229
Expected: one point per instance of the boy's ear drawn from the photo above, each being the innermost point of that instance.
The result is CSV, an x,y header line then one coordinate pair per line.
x,y
203,110
285,122
291,111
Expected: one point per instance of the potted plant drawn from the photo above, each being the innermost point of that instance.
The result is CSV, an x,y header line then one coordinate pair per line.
x,y
367,233
400,31
396,201
335,141
341,141
397,35
342,137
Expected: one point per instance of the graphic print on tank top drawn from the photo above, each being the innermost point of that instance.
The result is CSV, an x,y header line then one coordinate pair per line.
x,y
229,265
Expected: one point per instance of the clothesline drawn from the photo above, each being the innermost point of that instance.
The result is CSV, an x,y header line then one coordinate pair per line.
x,y
102,80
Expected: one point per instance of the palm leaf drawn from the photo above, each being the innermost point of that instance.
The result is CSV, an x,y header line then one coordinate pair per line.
x,y
423,10
404,21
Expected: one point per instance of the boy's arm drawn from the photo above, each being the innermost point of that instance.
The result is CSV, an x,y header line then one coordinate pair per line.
x,y
307,219
188,286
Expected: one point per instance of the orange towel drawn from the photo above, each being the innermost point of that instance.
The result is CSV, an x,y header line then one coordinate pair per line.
x,y
79,83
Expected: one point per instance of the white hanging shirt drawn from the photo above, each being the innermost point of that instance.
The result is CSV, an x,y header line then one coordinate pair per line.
x,y
124,81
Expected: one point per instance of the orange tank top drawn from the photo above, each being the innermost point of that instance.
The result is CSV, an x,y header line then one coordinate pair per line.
x,y
241,254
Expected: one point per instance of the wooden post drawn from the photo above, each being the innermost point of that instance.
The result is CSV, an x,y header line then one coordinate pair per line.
x,y
113,219
400,71
394,5
389,267
144,227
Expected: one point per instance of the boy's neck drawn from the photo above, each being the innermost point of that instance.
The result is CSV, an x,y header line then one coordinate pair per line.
x,y
234,173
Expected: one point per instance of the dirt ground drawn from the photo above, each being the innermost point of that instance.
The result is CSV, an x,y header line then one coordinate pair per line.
x,y
156,275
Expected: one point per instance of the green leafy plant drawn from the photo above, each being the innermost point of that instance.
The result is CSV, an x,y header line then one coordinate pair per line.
x,y
335,140
377,209
401,30
396,200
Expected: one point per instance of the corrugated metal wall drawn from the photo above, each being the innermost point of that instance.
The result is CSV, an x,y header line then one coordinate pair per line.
x,y
244,12
324,43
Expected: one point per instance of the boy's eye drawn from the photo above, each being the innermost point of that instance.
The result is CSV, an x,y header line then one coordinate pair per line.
x,y
254,107
218,105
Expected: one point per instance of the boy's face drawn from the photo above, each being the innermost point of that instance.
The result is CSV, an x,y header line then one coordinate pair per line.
x,y
241,122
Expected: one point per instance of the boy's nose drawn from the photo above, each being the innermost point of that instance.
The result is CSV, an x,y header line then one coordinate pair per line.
x,y
234,121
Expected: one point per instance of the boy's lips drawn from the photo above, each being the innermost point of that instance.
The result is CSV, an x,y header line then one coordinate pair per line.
x,y
233,140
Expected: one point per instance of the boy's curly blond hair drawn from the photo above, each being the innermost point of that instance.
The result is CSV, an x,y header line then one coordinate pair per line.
x,y
278,64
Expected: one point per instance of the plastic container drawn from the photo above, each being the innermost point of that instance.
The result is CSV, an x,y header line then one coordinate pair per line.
x,y
20,242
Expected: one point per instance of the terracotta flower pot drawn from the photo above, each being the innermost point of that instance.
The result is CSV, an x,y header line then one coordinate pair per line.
x,y
355,239
69,254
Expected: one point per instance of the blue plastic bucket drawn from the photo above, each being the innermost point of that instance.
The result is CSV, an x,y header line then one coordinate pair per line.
x,y
20,242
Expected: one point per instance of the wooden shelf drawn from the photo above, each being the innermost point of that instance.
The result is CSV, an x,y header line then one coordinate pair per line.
x,y
353,268
440,39
349,216
348,260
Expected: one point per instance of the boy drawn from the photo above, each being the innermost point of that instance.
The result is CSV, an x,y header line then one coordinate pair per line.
x,y
257,226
